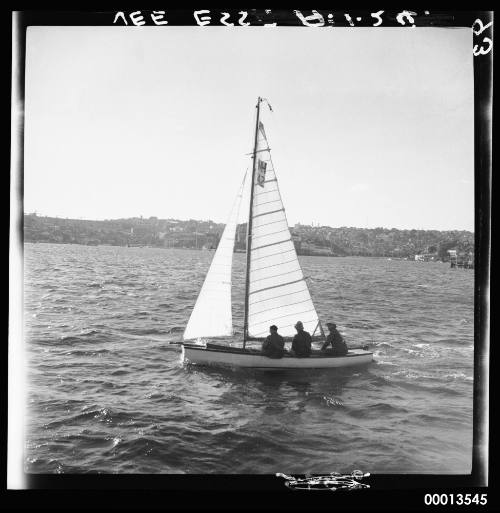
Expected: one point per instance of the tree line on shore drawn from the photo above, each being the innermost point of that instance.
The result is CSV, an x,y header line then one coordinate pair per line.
x,y
196,234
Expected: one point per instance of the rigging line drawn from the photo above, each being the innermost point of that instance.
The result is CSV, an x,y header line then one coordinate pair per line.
x,y
272,244
277,275
276,286
281,317
285,306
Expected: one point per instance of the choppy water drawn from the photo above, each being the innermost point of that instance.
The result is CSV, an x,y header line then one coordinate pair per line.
x,y
108,394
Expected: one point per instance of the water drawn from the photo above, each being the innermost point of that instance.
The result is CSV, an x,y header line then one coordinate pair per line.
x,y
107,393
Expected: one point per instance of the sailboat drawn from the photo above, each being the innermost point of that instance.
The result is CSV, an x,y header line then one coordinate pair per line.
x,y
276,290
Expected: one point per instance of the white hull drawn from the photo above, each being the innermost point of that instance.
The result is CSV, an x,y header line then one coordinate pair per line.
x,y
201,355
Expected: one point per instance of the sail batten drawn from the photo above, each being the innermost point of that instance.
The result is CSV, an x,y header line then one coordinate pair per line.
x,y
271,244
276,286
277,290
269,213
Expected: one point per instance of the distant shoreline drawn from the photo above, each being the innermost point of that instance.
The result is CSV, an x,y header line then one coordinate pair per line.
x,y
309,240
213,251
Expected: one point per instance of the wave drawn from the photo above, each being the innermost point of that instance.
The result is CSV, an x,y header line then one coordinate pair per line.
x,y
459,376
422,351
146,331
383,344
363,325
120,372
112,395
333,401
92,414
143,314
378,361
83,336
377,409
438,382
176,329
97,352
141,446
458,340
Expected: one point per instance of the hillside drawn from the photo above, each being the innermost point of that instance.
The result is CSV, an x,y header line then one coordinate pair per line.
x,y
309,240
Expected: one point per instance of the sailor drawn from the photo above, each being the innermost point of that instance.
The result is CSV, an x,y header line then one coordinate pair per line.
x,y
274,345
339,347
301,344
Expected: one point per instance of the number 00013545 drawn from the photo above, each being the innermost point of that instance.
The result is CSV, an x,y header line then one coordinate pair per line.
x,y
458,499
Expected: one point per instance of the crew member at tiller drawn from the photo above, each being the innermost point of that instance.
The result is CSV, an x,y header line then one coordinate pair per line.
x,y
339,347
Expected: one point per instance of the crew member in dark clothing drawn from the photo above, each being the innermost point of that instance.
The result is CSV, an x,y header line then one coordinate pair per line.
x,y
301,344
339,347
274,345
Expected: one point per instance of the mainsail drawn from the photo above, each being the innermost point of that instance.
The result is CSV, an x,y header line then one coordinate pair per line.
x,y
212,316
277,290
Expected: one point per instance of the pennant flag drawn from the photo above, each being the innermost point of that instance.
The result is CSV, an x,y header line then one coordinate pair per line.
x,y
268,104
261,173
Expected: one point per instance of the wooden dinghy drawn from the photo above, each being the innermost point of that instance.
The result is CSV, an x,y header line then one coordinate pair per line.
x,y
215,354
276,290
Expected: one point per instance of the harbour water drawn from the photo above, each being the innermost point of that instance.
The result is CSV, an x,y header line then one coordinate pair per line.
x,y
108,393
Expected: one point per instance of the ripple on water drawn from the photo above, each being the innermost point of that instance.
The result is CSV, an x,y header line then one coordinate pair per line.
x,y
108,393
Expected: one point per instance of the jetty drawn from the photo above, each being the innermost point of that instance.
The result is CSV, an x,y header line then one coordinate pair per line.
x,y
461,261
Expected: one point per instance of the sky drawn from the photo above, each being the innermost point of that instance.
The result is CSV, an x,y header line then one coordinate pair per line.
x,y
371,127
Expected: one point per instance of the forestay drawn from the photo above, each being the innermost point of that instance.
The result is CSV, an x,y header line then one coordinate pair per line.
x,y
278,292
211,316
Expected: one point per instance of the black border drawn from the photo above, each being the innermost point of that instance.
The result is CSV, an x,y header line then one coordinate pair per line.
x,y
226,491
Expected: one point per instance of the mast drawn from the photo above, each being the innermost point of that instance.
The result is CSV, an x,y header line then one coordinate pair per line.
x,y
249,225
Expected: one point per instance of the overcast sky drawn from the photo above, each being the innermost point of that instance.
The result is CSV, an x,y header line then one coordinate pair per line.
x,y
371,126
